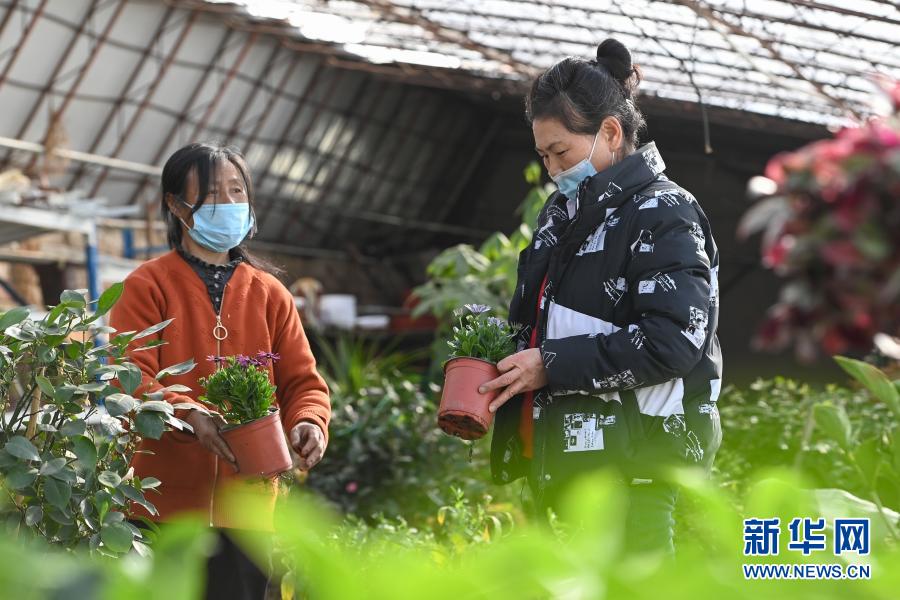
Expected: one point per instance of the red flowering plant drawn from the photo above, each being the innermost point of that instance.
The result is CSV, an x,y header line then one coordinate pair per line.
x,y
830,219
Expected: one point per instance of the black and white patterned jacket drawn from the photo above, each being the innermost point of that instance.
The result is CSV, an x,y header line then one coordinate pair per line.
x,y
627,330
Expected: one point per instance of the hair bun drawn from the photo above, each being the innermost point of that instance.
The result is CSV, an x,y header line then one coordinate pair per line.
x,y
613,55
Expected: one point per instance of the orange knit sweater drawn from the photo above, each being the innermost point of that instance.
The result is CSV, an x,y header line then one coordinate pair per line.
x,y
260,314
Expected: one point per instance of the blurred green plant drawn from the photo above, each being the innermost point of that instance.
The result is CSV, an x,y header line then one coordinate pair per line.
x,y
390,560
837,437
486,275
385,452
175,569
65,460
351,364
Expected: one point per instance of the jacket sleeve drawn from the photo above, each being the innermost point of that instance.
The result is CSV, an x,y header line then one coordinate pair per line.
x,y
302,392
668,288
140,307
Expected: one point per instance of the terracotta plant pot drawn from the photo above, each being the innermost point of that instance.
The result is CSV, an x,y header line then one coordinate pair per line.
x,y
259,447
463,411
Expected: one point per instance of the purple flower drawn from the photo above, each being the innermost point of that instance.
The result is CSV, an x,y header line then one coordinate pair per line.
x,y
478,309
498,323
245,361
266,357
218,360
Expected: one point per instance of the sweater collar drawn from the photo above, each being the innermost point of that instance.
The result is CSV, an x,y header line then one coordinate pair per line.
x,y
235,260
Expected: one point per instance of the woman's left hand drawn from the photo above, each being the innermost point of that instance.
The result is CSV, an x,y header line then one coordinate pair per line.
x,y
309,442
522,372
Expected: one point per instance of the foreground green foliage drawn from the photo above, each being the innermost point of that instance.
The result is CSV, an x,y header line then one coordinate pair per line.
x,y
837,437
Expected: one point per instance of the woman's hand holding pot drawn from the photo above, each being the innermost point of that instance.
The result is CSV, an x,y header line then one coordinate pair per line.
x,y
309,442
206,428
521,372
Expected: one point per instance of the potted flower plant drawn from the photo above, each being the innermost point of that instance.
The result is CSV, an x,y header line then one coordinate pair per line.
x,y
244,395
479,341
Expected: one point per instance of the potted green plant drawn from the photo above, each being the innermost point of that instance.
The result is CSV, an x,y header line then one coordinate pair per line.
x,y
478,342
244,395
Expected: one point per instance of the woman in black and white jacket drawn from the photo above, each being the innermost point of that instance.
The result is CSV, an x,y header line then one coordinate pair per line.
x,y
619,364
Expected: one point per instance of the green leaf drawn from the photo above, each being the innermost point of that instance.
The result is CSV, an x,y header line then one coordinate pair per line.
x,y
874,380
150,345
20,447
45,385
53,466
868,458
101,503
114,516
148,483
533,173
64,393
13,316
66,474
21,476
60,517
151,330
156,406
92,387
134,494
109,298
177,388
34,515
179,369
150,424
109,479
130,377
73,299
73,428
119,404
7,460
57,493
85,451
23,335
117,537
834,423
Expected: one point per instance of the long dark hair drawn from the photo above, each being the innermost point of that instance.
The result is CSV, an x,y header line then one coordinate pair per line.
x,y
205,158
581,93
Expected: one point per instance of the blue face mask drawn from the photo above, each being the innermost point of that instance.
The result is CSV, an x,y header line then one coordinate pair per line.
x,y
221,227
569,180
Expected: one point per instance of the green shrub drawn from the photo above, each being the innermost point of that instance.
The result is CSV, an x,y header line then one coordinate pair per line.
x,y
837,437
385,452
64,461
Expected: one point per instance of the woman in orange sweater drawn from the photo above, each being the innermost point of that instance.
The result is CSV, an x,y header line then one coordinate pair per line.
x,y
223,301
